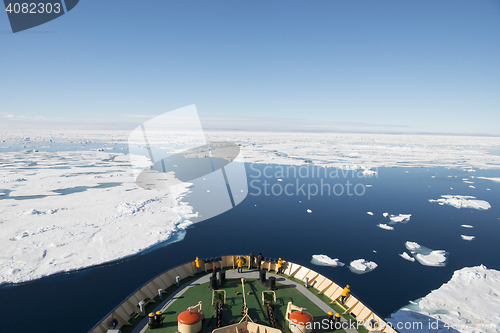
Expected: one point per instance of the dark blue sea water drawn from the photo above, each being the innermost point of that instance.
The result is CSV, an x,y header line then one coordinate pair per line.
x,y
280,226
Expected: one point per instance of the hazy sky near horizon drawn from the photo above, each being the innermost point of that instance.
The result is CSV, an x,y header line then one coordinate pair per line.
x,y
370,65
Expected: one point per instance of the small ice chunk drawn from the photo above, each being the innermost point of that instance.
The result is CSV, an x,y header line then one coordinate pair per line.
x,y
324,260
361,266
368,172
208,190
385,214
385,226
433,176
468,238
472,186
468,182
494,179
369,213
467,226
309,211
400,218
368,185
280,180
406,256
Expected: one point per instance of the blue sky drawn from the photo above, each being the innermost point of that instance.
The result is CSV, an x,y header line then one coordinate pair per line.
x,y
368,65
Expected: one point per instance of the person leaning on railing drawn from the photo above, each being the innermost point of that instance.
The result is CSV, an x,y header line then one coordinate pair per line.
x,y
197,262
280,266
345,294
239,261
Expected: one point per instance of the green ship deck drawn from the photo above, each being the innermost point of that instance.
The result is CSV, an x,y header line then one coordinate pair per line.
x,y
192,290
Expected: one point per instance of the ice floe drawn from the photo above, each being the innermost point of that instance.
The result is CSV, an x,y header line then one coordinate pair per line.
x,y
400,218
494,179
385,214
426,256
467,226
468,303
324,260
462,201
309,211
406,256
385,226
361,266
369,213
467,238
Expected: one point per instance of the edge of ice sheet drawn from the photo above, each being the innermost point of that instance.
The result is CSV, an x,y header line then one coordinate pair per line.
x,y
324,260
468,303
462,201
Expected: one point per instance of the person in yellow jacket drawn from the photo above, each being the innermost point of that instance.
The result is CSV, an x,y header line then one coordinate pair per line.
x,y
345,293
239,261
197,262
280,266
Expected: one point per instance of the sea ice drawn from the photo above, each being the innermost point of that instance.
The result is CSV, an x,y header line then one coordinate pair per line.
x,y
468,303
369,213
361,266
406,256
426,256
385,226
324,260
309,211
494,179
462,201
467,238
467,226
385,214
400,218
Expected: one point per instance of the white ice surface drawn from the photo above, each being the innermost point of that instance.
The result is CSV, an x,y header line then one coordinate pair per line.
x,y
369,213
469,303
406,256
385,226
467,226
309,211
467,238
462,201
324,260
385,214
400,218
63,232
494,179
426,256
361,266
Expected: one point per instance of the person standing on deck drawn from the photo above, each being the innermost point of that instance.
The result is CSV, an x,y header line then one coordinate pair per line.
x,y
345,294
250,264
239,261
259,260
197,262
214,273
280,266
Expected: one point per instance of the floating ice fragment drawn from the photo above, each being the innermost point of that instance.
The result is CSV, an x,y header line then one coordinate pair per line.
x,y
385,226
406,256
468,182
468,238
385,214
472,186
400,218
368,185
324,260
369,213
462,201
280,180
433,176
361,266
208,190
309,211
426,256
368,172
467,226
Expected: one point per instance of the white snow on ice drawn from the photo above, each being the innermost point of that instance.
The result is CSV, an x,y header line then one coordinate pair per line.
x,y
467,226
369,213
426,256
361,266
467,238
406,256
469,303
385,226
385,214
324,260
400,218
309,211
494,179
462,201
